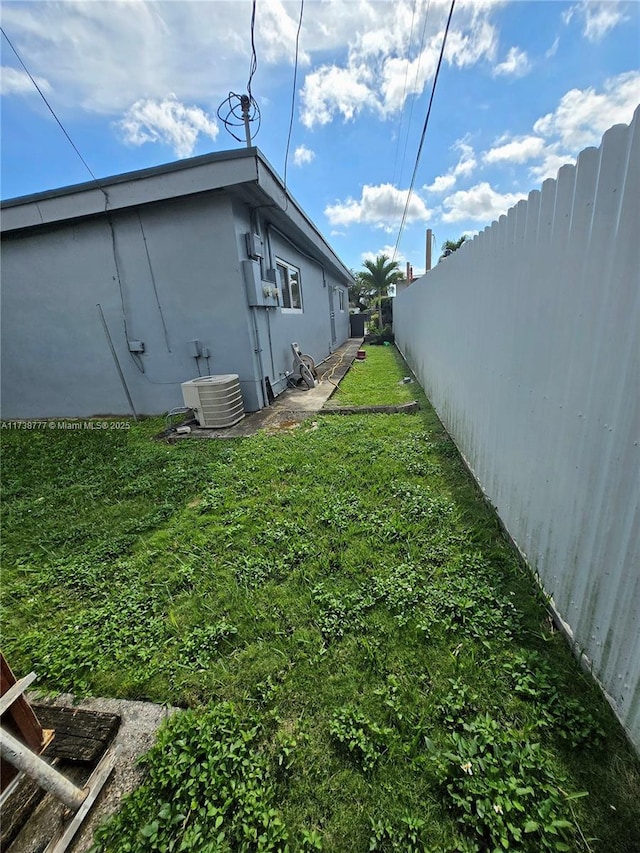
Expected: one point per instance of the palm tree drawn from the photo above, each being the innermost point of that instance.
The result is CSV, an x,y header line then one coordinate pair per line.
x,y
378,275
360,292
450,246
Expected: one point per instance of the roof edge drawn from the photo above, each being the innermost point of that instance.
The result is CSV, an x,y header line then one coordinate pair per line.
x,y
137,174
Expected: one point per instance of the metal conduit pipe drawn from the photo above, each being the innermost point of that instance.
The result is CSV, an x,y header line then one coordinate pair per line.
x,y
36,768
271,228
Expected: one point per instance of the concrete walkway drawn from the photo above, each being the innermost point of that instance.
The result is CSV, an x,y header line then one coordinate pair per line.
x,y
292,406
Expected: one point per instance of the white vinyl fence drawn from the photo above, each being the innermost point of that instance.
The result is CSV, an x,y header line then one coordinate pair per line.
x,y
526,342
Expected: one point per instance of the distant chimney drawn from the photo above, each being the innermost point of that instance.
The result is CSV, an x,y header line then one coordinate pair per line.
x,y
428,252
408,272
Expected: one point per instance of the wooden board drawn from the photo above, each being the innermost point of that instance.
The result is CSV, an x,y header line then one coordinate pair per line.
x,y
81,739
80,735
20,720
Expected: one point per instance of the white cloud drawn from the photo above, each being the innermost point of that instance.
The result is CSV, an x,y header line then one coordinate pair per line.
x,y
598,17
385,250
381,206
167,121
16,82
467,162
553,49
303,155
401,78
516,64
579,120
479,42
331,90
480,203
517,150
102,57
553,159
463,168
382,69
441,184
277,33
583,115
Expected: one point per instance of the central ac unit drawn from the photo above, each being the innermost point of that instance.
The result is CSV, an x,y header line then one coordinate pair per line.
x,y
215,400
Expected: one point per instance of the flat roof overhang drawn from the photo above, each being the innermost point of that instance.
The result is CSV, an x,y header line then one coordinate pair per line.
x,y
244,173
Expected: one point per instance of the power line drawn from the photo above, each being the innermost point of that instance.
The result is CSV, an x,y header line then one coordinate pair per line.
x,y
404,92
293,100
415,88
50,108
243,110
253,65
424,129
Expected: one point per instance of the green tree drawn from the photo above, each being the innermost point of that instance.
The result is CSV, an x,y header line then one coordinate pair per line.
x,y
360,293
451,246
378,275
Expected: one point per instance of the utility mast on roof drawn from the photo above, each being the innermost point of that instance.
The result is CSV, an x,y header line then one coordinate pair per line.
x,y
240,111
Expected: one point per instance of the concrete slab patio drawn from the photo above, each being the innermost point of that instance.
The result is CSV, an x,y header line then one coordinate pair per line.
x,y
292,406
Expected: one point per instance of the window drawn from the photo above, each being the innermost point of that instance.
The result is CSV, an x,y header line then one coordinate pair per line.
x,y
289,284
341,299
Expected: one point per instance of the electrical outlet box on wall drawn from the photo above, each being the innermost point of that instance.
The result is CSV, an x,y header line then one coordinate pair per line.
x,y
259,293
254,246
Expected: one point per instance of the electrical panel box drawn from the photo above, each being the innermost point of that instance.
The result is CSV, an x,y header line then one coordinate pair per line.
x,y
136,346
254,246
194,348
262,294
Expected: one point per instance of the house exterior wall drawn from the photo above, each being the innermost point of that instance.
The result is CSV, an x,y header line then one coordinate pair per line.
x,y
526,342
277,329
170,271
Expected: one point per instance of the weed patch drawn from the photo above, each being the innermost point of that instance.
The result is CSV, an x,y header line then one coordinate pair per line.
x,y
364,740
504,789
211,785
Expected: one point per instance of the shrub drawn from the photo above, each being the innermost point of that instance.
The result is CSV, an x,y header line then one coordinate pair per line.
x,y
377,336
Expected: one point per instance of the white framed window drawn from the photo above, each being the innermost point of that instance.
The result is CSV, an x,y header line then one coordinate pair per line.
x,y
289,285
341,299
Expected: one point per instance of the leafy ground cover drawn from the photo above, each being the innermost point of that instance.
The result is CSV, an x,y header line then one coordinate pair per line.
x,y
365,663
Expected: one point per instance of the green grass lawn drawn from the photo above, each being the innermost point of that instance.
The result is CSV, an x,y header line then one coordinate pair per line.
x,y
376,381
365,663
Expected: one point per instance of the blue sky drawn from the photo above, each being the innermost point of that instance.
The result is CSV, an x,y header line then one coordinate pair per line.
x,y
524,86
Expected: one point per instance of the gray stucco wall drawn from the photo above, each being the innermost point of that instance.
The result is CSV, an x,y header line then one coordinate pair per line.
x,y
56,359
312,327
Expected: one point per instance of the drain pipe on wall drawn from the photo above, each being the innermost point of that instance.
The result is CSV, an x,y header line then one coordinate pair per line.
x,y
116,362
253,218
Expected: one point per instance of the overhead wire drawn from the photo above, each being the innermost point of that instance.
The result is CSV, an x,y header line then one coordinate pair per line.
x,y
415,87
424,129
53,113
231,111
253,65
403,101
118,276
293,103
